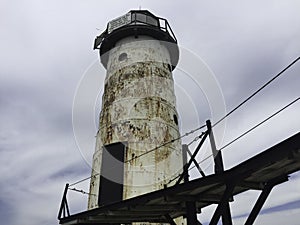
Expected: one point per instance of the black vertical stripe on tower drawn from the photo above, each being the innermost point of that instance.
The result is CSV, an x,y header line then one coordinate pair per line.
x,y
185,149
112,174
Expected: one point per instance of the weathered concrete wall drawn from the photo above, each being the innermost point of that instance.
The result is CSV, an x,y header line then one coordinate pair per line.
x,y
138,107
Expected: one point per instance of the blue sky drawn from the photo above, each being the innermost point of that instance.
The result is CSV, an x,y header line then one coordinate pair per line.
x,y
46,48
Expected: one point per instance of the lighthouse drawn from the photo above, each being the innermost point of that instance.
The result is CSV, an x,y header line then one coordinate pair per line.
x,y
138,149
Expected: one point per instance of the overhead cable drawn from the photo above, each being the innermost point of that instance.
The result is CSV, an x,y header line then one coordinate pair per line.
x,y
81,191
166,143
135,157
80,181
248,131
257,91
257,125
220,120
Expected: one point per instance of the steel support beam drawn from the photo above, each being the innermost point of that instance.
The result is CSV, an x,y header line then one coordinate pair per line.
x,y
219,169
191,213
226,215
262,199
222,205
259,204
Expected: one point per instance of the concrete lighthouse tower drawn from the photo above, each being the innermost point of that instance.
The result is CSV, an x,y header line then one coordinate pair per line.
x,y
135,152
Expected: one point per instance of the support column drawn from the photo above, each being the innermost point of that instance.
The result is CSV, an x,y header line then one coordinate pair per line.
x,y
259,204
222,205
191,215
219,169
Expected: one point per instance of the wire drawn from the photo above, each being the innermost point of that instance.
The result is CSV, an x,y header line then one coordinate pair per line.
x,y
81,191
196,138
135,157
240,136
192,131
197,164
257,125
202,161
87,178
166,143
220,120
258,90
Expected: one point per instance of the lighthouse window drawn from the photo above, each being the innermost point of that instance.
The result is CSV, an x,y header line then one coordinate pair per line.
x,y
141,17
175,119
152,21
122,56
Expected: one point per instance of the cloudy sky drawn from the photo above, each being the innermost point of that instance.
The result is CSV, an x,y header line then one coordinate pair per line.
x,y
46,48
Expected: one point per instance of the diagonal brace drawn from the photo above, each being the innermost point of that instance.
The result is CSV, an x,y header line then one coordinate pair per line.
x,y
223,203
186,166
64,207
261,200
196,164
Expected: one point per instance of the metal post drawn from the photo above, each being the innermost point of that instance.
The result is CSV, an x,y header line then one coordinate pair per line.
x,y
64,204
220,209
185,149
219,167
226,215
191,213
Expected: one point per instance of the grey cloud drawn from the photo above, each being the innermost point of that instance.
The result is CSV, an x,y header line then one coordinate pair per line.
x,y
46,47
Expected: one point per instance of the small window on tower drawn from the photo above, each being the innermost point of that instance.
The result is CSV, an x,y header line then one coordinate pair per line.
x,y
175,119
122,56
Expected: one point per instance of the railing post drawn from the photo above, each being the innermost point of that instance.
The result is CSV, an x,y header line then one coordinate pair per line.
x,y
219,167
64,204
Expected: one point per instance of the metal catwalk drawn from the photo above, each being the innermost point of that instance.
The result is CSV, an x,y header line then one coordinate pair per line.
x,y
261,172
